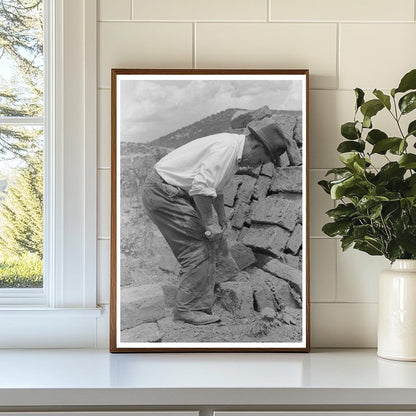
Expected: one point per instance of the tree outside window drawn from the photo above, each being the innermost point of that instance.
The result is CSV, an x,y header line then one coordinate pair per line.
x,y
21,143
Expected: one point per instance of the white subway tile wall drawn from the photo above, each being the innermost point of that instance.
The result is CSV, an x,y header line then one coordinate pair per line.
x,y
104,128
323,269
328,109
376,54
345,44
104,202
114,10
200,10
357,275
142,45
355,10
343,325
319,203
270,45
103,270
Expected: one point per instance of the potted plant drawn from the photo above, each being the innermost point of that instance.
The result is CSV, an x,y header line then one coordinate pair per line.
x,y
376,209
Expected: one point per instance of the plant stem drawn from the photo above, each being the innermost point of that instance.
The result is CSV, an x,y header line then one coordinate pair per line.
x,y
396,119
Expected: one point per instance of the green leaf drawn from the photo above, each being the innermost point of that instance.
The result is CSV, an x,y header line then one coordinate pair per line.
x,y
325,186
367,122
368,248
393,250
338,171
375,136
348,158
383,145
385,99
408,161
342,211
411,180
349,146
407,239
369,201
336,228
339,189
412,202
359,165
346,242
360,231
375,212
374,242
349,131
411,183
408,82
398,149
391,170
371,108
402,147
359,95
408,102
411,130
393,92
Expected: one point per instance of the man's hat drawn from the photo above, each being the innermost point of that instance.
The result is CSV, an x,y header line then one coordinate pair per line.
x,y
273,139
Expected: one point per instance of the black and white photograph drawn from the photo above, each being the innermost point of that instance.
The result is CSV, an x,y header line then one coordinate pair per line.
x,y
209,242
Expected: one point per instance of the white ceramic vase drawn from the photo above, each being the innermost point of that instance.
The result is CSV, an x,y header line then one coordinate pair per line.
x,y
397,312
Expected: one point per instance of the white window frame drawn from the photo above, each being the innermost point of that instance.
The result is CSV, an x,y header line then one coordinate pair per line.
x,y
64,313
36,296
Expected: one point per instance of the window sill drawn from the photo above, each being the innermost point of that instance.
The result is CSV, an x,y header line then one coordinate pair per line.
x,y
35,312
22,297
40,327
330,379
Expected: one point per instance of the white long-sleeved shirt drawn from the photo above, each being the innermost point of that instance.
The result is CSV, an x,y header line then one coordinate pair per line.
x,y
203,166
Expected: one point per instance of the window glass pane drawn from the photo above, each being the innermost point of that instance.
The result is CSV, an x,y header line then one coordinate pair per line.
x,y
21,207
21,58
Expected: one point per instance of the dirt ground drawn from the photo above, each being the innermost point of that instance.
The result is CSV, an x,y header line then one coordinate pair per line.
x,y
286,327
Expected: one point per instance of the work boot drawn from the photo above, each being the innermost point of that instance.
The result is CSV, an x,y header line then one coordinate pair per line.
x,y
195,317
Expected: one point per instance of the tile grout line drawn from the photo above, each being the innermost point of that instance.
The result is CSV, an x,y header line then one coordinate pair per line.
x,y
322,237
269,10
337,245
310,89
344,303
194,62
131,9
336,270
308,22
338,64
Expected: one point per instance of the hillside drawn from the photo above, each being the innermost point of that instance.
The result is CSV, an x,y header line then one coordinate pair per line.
x,y
213,124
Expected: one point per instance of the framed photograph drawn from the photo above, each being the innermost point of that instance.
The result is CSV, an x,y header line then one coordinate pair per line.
x,y
209,211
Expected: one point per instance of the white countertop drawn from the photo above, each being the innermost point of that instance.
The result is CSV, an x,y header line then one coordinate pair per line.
x,y
96,377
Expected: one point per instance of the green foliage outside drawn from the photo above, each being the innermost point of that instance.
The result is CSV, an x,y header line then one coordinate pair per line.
x,y
21,271
21,95
376,212
21,213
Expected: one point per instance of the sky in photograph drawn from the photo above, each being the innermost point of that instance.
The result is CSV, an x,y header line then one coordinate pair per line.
x,y
151,109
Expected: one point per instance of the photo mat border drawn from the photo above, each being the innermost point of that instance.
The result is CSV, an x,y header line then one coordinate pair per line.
x,y
114,286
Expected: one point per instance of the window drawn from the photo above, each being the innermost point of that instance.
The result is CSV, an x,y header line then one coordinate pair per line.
x,y
63,313
22,132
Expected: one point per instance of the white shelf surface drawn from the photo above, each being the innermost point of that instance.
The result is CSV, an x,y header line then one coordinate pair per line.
x,y
96,377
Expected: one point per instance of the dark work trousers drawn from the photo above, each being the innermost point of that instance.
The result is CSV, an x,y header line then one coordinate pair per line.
x,y
174,213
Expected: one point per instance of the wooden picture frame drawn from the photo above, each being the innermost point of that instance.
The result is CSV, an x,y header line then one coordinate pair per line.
x,y
261,291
